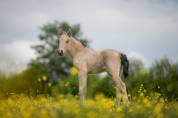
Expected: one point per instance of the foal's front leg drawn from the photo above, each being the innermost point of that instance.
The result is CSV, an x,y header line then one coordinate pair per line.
x,y
82,85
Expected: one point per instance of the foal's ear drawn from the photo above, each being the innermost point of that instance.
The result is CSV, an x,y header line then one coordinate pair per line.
x,y
69,33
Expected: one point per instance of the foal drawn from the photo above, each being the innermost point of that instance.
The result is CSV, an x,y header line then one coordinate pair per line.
x,y
87,59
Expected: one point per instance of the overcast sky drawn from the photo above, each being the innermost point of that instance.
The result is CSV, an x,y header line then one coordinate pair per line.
x,y
147,29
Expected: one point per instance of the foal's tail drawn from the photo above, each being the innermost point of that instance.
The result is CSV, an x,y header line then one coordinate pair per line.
x,y
124,64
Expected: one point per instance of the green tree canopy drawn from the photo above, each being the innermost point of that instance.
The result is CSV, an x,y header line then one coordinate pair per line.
x,y
136,66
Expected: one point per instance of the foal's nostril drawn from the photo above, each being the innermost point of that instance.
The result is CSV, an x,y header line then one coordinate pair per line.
x,y
60,52
57,51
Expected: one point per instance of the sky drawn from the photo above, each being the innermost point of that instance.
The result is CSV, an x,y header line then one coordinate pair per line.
x,y
145,29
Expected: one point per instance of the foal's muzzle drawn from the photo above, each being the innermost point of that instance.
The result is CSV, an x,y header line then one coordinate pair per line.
x,y
60,52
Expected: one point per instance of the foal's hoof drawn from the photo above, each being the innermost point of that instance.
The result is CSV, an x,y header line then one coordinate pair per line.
x,y
127,102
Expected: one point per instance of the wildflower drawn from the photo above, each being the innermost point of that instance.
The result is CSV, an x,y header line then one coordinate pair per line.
x,y
89,103
9,101
157,95
49,84
12,93
129,95
141,94
44,113
73,71
67,84
157,110
39,79
44,78
91,114
77,111
146,102
26,114
162,100
119,109
165,100
99,96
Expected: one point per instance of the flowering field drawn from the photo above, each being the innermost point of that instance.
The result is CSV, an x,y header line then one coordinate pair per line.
x,y
21,106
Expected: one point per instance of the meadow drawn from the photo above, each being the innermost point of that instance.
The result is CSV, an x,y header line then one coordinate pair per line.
x,y
68,106
27,96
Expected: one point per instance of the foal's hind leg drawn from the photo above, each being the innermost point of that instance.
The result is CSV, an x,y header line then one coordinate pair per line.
x,y
121,89
121,92
113,68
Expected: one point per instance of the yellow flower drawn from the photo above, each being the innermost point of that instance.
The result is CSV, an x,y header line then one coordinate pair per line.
x,y
129,95
44,113
67,84
162,100
89,103
141,94
119,109
44,78
49,84
73,71
157,110
39,79
92,114
157,95
146,102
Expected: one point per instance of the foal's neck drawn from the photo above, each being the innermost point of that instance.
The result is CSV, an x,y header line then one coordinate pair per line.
x,y
75,47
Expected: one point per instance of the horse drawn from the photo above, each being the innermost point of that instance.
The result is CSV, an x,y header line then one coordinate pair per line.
x,y
86,60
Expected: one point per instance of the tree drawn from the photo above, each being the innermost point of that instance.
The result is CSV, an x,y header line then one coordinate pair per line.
x,y
135,67
165,76
47,61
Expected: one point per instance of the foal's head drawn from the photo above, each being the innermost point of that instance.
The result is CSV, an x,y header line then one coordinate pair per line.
x,y
64,42
68,44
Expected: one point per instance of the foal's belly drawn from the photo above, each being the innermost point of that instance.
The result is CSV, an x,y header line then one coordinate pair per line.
x,y
95,64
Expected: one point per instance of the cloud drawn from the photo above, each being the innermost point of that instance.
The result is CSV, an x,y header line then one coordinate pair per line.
x,y
15,56
136,55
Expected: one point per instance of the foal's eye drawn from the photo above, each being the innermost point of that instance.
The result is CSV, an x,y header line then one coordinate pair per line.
x,y
67,41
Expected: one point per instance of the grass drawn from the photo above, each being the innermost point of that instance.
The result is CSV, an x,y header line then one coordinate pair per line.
x,y
22,106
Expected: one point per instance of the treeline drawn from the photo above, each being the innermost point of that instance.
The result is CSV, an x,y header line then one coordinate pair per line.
x,y
161,77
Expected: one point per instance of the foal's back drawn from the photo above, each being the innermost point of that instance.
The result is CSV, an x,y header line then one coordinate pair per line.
x,y
98,60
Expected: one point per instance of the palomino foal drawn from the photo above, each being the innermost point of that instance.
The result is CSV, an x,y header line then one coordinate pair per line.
x,y
87,59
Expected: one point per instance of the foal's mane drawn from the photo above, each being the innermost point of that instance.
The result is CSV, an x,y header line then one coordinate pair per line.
x,y
73,38
79,41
